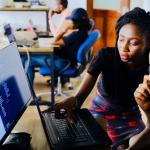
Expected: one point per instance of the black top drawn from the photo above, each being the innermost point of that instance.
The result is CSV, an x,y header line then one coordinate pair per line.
x,y
72,43
117,83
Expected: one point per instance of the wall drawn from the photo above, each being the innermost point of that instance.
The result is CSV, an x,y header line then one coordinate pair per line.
x,y
106,4
21,19
136,3
105,21
77,3
72,4
145,4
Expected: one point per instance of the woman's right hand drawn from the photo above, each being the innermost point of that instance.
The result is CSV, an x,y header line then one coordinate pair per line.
x,y
73,102
67,105
142,94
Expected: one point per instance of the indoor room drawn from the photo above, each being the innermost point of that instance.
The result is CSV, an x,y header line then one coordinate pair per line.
x,y
74,74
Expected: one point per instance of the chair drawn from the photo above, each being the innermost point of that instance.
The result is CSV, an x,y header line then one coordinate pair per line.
x,y
83,57
92,23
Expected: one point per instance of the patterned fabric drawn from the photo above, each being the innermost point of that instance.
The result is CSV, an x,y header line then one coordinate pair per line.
x,y
120,125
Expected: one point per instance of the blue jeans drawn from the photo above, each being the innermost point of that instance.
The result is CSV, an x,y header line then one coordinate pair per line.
x,y
44,61
23,59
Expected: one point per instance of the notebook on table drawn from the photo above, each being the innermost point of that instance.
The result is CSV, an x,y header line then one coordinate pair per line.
x,y
85,133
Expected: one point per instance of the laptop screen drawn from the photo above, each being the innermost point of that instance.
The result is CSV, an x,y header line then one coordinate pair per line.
x,y
20,37
9,33
15,93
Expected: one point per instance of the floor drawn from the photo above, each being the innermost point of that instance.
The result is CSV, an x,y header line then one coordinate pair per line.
x,y
41,85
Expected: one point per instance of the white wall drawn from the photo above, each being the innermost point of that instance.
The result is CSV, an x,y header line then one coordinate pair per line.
x,y
106,4
21,18
136,3
72,4
115,4
77,3
145,4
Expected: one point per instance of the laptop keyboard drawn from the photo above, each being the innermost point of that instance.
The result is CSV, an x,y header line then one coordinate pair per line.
x,y
75,132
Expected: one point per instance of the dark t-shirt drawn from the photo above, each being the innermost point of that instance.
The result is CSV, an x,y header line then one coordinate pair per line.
x,y
117,83
72,43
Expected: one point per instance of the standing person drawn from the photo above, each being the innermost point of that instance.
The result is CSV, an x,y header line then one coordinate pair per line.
x,y
69,44
122,68
141,141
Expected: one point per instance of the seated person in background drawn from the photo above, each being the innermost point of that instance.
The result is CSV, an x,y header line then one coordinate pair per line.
x,y
58,30
60,8
122,69
69,44
141,141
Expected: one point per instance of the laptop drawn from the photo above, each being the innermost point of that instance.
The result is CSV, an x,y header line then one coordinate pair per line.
x,y
22,38
15,94
40,34
85,133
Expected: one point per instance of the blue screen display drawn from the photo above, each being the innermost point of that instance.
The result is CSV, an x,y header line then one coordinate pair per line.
x,y
11,101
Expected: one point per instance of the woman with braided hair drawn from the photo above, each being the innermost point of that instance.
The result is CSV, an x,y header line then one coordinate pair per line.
x,y
122,69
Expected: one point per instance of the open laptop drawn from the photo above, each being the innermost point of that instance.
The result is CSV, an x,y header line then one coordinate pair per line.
x,y
22,38
85,133
40,34
15,94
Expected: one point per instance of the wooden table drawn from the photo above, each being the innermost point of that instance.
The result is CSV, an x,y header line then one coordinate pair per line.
x,y
37,49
